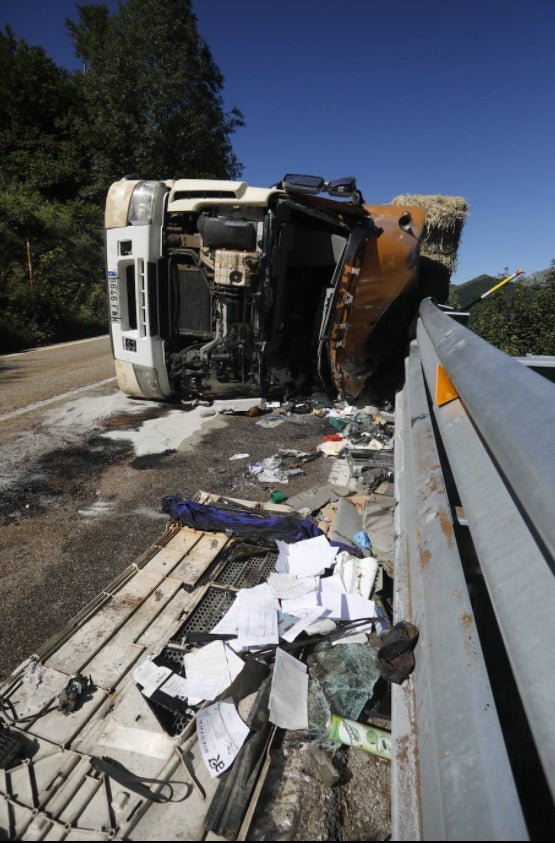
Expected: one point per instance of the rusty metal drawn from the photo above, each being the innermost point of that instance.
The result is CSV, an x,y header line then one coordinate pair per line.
x,y
451,777
380,265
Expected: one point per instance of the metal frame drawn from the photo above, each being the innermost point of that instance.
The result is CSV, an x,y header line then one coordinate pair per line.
x,y
451,778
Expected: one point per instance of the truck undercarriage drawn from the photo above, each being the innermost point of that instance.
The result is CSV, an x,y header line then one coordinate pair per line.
x,y
219,289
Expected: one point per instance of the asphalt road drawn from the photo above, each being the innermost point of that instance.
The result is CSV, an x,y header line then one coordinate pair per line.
x,y
32,378
77,506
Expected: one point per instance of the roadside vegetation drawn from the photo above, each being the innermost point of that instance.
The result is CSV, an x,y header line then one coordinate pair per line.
x,y
148,100
519,318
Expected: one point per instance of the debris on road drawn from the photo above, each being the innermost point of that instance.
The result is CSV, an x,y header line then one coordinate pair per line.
x,y
251,636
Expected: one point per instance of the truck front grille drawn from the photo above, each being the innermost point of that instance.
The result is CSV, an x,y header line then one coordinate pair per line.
x,y
194,302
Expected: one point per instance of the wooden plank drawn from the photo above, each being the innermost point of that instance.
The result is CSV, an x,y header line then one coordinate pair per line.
x,y
97,630
164,626
121,652
195,563
184,539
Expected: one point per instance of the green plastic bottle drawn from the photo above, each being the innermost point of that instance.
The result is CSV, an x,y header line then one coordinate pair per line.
x,y
360,735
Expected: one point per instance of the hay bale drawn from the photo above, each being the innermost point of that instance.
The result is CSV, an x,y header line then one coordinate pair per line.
x,y
445,218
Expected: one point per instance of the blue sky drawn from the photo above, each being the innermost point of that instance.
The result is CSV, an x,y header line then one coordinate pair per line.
x,y
431,96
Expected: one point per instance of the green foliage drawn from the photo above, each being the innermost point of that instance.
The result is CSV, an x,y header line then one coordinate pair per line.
x,y
152,93
148,102
518,319
39,104
461,295
63,297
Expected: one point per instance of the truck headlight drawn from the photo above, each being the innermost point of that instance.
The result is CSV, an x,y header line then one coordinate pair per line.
x,y
141,206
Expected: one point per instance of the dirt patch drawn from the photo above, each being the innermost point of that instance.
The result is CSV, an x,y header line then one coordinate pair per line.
x,y
133,421
60,476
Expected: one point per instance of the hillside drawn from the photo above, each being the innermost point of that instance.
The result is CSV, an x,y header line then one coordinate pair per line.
x,y
470,290
467,292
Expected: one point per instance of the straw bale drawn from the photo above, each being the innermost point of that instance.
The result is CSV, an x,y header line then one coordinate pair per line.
x,y
445,218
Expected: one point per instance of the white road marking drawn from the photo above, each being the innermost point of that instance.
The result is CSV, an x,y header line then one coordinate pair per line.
x,y
46,401
28,351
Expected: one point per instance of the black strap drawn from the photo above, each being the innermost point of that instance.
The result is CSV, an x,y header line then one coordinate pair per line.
x,y
121,774
395,656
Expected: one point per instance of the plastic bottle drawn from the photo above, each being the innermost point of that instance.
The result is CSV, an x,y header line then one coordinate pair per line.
x,y
360,735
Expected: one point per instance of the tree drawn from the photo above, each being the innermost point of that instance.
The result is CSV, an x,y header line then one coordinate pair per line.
x,y
39,103
153,94
519,320
66,297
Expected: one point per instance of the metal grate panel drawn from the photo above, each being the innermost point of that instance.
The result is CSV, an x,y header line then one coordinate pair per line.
x,y
194,302
241,566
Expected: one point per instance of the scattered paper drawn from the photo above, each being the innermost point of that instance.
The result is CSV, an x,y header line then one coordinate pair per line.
x,y
239,456
331,595
357,607
298,604
332,449
175,686
288,586
288,692
305,558
341,605
307,617
271,421
258,627
252,617
194,690
285,623
150,676
204,665
269,471
221,734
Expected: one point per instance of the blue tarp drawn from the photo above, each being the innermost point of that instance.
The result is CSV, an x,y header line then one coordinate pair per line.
x,y
249,524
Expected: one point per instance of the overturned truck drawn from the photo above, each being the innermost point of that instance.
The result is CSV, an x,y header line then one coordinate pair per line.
x,y
218,289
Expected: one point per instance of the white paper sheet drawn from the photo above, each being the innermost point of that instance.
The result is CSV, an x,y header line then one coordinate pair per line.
x,y
229,624
358,607
288,586
288,692
341,605
285,622
305,558
258,627
193,690
333,448
307,617
331,595
221,734
150,676
297,604
175,686
214,660
259,596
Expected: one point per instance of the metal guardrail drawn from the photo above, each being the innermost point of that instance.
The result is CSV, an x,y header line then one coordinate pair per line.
x,y
474,726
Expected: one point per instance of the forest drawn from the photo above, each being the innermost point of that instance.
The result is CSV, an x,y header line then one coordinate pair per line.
x,y
147,99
